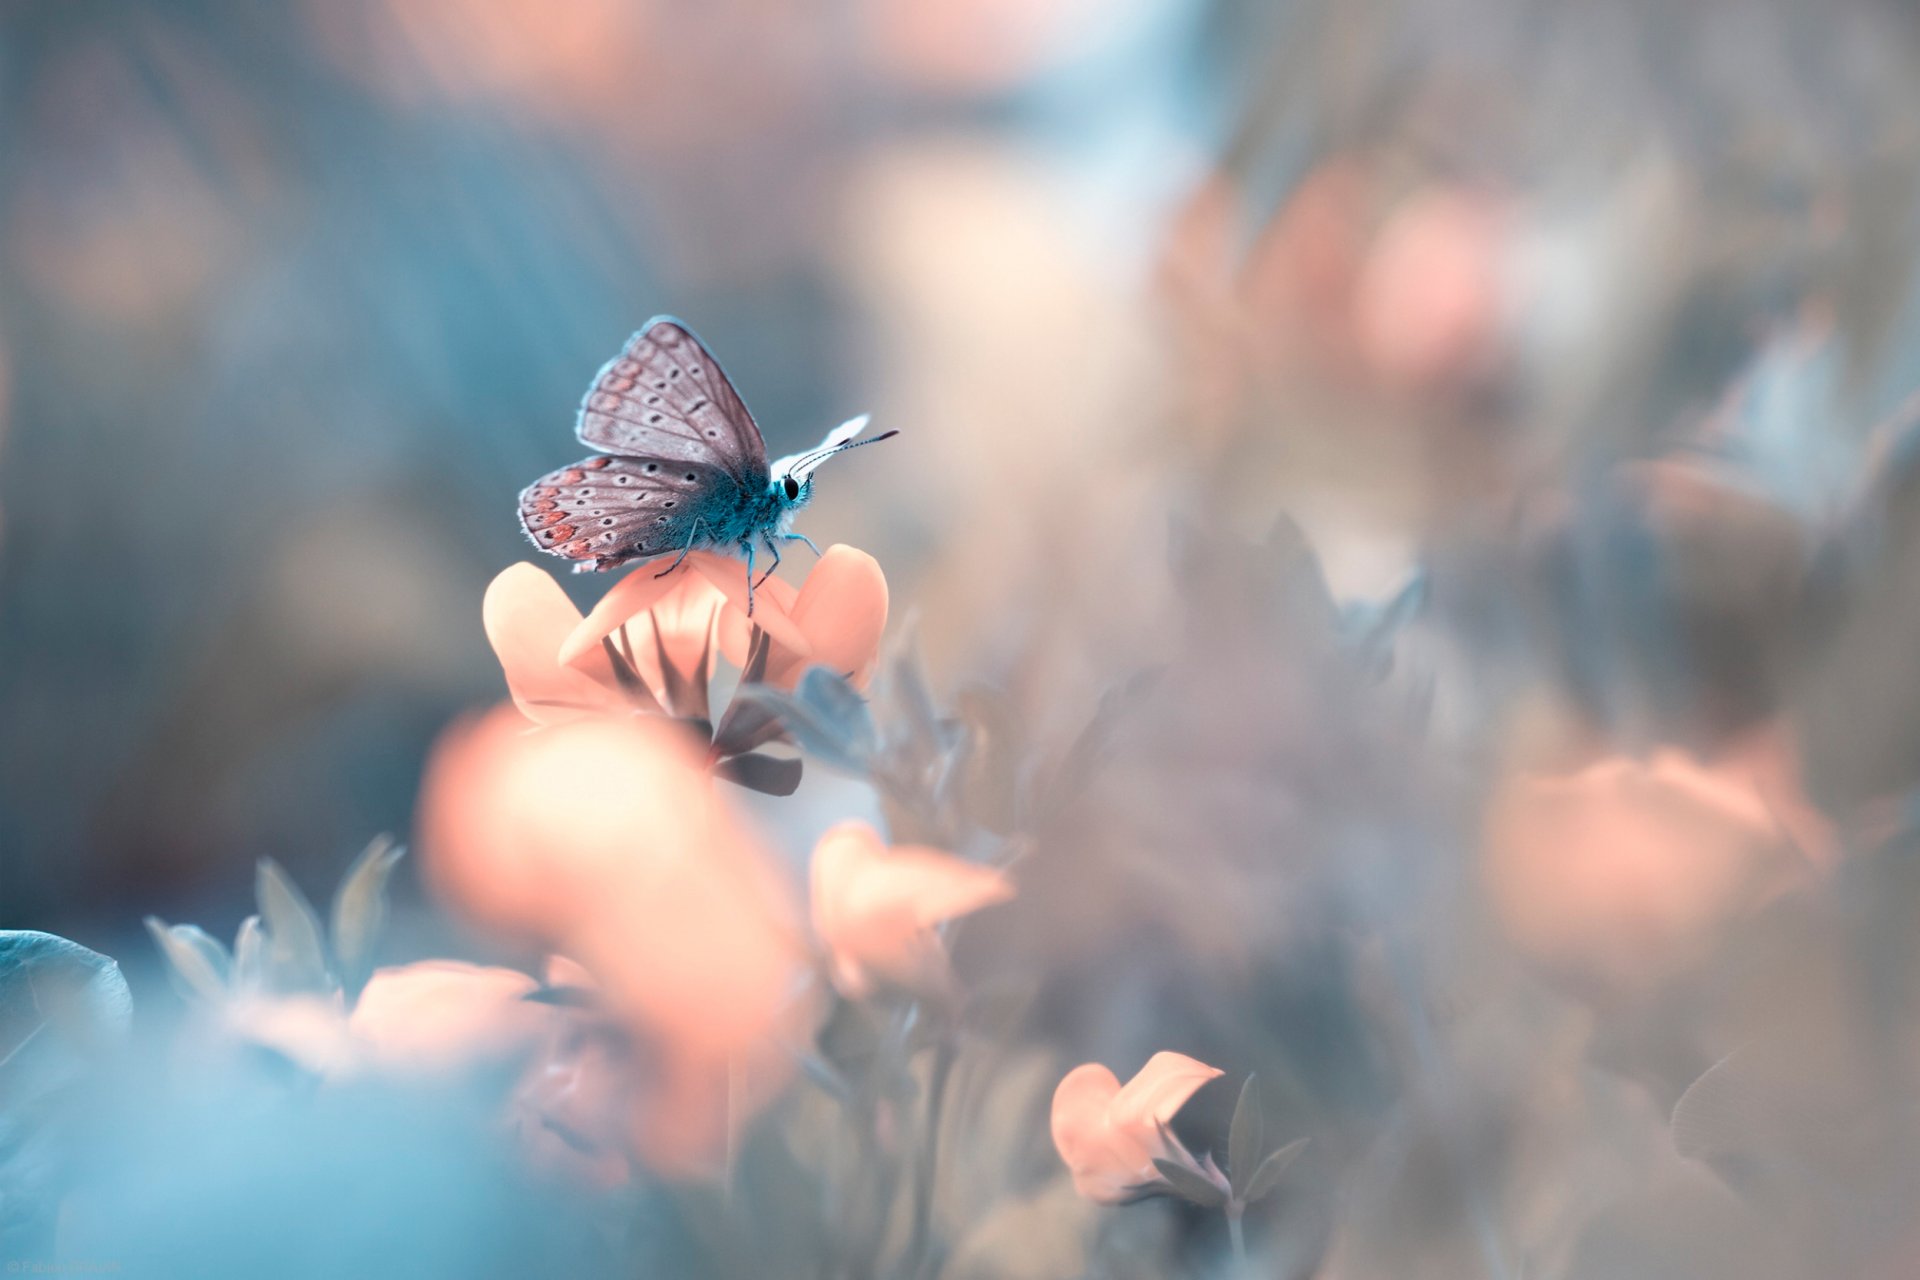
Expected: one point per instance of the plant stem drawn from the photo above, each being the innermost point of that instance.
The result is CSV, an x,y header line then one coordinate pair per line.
x,y
923,1172
736,1110
1238,1236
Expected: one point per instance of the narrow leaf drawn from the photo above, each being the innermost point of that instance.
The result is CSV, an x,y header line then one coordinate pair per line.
x,y
191,966
250,957
1267,1176
819,740
296,956
747,724
835,703
1189,1185
1247,1137
360,909
1088,752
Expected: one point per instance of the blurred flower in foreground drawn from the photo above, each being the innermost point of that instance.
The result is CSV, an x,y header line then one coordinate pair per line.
x,y
423,1018
1617,876
876,909
1109,1134
604,840
574,1102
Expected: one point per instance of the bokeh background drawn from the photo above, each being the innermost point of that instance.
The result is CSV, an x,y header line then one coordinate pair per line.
x,y
1383,405
296,298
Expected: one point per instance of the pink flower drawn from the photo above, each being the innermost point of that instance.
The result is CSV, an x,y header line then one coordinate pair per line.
x,y
439,1014
840,611
1109,1134
605,840
1626,871
430,1017
834,618
875,909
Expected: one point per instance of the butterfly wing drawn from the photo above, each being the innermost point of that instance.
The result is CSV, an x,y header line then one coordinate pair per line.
x,y
664,396
604,511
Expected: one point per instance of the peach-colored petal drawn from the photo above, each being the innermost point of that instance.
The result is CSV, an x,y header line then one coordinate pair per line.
x,y
525,832
768,611
527,617
631,598
736,629
874,908
1154,1096
605,839
1625,871
842,610
1108,1134
440,1014
1079,1117
309,1030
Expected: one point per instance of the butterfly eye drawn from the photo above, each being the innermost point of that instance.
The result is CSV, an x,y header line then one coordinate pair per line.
x,y
792,488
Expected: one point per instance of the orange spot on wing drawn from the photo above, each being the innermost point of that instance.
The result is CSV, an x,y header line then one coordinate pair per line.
x,y
572,475
597,464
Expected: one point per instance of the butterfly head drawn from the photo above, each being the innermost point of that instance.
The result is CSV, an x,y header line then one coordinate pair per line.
x,y
793,474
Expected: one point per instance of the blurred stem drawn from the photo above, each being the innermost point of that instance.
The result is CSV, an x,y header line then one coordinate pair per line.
x,y
736,1109
921,1242
1237,1235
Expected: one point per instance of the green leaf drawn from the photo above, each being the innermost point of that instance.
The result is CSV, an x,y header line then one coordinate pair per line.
x,y
360,909
1190,1186
1247,1138
196,964
296,955
1267,1176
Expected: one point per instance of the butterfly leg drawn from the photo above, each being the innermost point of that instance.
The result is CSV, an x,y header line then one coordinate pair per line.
x,y
693,536
790,537
746,545
775,548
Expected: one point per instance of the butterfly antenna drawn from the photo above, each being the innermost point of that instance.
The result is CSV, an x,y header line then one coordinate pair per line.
x,y
807,461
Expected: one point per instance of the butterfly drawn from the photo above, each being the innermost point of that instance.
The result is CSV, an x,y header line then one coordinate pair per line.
x,y
682,465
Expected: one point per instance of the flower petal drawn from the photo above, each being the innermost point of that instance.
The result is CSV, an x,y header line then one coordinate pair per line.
x,y
768,609
527,618
526,832
629,598
1083,1135
1154,1096
842,611
439,1014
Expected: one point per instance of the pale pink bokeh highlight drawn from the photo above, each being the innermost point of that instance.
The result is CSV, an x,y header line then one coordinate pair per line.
x,y
604,839
1108,1134
876,909
1429,300
1619,875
